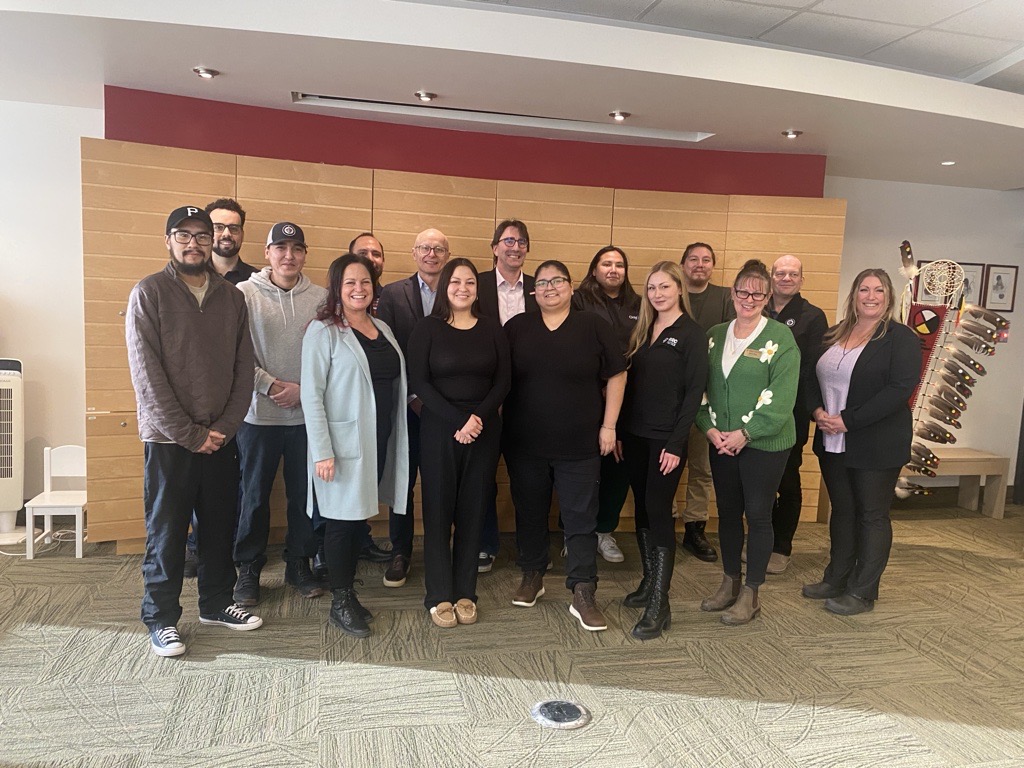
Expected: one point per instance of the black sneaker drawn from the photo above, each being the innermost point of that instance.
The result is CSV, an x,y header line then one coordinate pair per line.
x,y
234,617
191,563
397,572
166,641
298,575
484,562
247,586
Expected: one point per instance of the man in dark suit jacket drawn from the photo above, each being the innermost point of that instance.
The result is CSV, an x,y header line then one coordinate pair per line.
x,y
504,292
402,305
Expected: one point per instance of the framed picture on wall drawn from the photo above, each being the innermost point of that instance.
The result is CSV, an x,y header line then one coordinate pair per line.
x,y
1000,287
921,294
974,280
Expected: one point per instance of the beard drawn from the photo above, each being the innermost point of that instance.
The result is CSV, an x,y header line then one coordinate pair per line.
x,y
189,269
226,251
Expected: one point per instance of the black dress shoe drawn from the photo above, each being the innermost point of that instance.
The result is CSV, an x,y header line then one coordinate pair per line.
x,y
374,554
191,563
695,542
820,591
849,605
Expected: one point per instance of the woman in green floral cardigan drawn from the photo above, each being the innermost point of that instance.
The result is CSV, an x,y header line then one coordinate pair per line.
x,y
747,415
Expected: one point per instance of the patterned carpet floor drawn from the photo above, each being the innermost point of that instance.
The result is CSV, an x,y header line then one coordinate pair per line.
x,y
933,677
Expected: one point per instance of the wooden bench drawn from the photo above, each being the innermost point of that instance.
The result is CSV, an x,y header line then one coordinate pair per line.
x,y
971,465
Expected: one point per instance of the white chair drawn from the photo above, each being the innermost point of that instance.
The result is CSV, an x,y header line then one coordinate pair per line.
x,y
64,461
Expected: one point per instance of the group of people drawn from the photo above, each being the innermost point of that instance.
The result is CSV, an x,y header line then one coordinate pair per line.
x,y
589,393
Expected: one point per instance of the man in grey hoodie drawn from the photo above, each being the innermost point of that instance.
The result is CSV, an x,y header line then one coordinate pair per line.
x,y
281,302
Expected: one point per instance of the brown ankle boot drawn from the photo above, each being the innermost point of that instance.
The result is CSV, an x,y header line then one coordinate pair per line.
x,y
746,608
724,597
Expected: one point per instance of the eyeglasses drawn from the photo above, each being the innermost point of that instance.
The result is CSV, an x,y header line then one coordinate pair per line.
x,y
234,229
510,241
554,282
755,295
184,238
424,250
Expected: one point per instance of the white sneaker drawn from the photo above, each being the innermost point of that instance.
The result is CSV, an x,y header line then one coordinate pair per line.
x,y
608,548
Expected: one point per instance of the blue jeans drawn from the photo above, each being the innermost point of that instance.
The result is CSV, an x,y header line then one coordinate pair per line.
x,y
261,449
176,483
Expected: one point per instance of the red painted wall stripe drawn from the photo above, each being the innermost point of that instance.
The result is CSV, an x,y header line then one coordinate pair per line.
x,y
178,121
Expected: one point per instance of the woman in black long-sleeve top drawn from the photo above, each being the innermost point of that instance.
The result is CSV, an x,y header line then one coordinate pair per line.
x,y
858,398
668,358
459,367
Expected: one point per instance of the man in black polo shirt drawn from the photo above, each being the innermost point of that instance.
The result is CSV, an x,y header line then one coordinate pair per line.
x,y
808,325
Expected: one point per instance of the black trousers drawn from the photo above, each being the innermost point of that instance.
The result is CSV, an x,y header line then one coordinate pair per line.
x,y
612,493
745,485
860,527
402,527
532,481
786,513
455,480
176,483
653,492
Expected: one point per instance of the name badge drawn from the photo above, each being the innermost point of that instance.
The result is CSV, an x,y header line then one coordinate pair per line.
x,y
754,353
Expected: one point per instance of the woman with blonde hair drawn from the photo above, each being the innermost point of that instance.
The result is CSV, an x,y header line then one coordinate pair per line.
x,y
859,399
668,371
753,373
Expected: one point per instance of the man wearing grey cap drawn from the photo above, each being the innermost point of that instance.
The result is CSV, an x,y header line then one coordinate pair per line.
x,y
281,302
191,362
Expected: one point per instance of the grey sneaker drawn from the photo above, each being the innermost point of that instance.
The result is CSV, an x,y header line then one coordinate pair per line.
x,y
608,549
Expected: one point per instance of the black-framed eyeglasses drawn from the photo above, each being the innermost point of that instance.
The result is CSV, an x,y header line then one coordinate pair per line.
x,y
755,295
522,242
234,229
424,250
554,282
182,237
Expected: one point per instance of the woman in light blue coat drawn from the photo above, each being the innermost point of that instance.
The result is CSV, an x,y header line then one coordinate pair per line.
x,y
353,395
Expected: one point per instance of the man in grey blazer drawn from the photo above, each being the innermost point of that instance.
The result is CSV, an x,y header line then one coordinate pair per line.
x,y
402,305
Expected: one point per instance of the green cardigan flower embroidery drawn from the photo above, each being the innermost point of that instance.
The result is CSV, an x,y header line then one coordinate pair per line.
x,y
768,351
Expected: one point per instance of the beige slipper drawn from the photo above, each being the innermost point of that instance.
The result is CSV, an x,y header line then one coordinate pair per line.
x,y
443,615
465,611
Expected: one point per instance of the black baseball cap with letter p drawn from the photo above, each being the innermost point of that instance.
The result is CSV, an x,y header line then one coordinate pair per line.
x,y
196,212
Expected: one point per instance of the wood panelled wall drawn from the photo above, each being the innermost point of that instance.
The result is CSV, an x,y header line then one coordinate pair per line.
x,y
128,189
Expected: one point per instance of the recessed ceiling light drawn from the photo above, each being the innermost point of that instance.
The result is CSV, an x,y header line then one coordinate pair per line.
x,y
205,72
948,162
425,95
791,134
619,116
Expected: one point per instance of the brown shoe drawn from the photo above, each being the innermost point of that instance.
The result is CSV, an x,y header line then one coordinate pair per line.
x,y
746,608
443,614
397,572
584,607
777,563
531,588
465,611
724,597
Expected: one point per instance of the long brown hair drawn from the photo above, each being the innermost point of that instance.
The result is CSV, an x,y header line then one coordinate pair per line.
x,y
442,308
642,329
593,290
843,330
330,310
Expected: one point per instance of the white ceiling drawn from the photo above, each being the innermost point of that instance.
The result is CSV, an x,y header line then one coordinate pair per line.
x,y
884,88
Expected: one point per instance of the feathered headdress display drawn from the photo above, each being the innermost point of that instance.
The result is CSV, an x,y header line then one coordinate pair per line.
x,y
952,333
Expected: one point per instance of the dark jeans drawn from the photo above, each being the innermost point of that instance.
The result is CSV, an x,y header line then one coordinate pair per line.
x,y
532,480
490,537
745,484
653,492
454,481
261,449
176,482
402,527
342,541
860,528
611,495
786,513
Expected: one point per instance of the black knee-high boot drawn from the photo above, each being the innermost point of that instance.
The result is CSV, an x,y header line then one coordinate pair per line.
x,y
639,598
657,615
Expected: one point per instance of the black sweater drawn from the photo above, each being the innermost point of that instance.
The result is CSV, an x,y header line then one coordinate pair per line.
x,y
459,372
665,384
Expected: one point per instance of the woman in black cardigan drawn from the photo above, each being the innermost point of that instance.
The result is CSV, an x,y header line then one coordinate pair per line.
x,y
865,376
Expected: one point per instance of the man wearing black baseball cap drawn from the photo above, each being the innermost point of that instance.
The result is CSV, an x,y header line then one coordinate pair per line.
x,y
191,362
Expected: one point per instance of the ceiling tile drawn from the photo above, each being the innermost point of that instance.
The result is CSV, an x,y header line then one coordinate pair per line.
x,y
834,34
914,13
1010,79
941,53
621,10
717,17
996,18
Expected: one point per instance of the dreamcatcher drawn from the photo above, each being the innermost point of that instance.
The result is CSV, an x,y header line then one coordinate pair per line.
x,y
950,332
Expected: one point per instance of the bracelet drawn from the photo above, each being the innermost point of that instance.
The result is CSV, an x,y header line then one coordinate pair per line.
x,y
746,435
604,427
